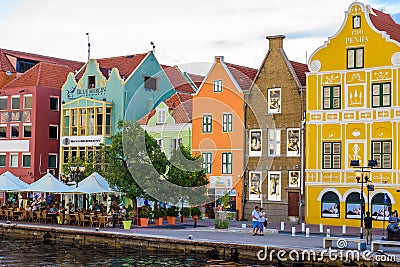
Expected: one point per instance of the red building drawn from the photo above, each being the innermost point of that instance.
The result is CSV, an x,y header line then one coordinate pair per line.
x,y
30,113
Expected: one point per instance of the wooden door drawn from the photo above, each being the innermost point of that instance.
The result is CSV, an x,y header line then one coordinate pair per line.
x,y
293,204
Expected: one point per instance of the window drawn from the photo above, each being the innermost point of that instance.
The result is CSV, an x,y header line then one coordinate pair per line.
x,y
161,115
382,153
3,131
53,132
91,81
356,22
381,95
227,122
15,102
381,207
330,205
24,65
52,163
332,97
3,103
174,143
27,101
226,163
27,131
150,83
26,161
160,142
2,160
54,103
274,142
218,86
355,58
207,162
354,206
14,160
207,123
14,131
332,156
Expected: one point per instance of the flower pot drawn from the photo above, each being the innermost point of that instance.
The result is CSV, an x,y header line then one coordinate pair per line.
x,y
158,221
195,217
127,224
183,218
171,220
144,222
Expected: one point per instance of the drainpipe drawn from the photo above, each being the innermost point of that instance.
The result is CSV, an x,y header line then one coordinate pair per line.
x,y
302,167
244,157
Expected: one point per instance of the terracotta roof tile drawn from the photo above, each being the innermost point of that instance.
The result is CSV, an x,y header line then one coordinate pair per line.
x,y
384,22
243,75
42,74
178,80
6,64
196,79
301,69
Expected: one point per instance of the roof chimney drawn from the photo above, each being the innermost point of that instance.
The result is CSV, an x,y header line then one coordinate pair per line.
x,y
276,41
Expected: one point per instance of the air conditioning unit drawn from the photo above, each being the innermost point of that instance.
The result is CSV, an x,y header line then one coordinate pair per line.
x,y
51,171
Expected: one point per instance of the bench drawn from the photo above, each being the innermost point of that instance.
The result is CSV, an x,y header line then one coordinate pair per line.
x,y
361,243
375,244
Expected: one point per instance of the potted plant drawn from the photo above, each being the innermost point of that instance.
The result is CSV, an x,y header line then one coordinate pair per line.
x,y
185,212
159,213
126,221
145,213
172,212
195,212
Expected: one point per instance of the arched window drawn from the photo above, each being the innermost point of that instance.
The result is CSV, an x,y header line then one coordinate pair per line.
x,y
353,206
330,205
381,207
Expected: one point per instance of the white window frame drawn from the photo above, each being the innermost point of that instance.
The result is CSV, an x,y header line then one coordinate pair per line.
x,y
274,142
227,163
19,102
23,129
58,103
11,126
30,160
53,125
227,122
160,143
11,157
207,123
207,162
5,161
217,86
161,116
6,98
31,96
5,126
52,154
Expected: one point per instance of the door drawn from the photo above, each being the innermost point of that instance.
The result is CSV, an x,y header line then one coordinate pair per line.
x,y
293,202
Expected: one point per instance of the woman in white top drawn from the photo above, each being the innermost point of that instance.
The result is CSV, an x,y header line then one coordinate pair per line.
x,y
261,221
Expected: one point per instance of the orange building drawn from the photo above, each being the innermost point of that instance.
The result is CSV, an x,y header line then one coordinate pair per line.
x,y
218,129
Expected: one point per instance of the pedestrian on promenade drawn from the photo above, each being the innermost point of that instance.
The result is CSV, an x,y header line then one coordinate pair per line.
x,y
261,221
255,220
368,227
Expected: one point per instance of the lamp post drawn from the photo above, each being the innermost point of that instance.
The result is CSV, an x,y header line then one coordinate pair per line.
x,y
76,175
361,179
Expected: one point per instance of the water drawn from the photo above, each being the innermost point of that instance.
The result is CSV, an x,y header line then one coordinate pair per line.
x,y
19,251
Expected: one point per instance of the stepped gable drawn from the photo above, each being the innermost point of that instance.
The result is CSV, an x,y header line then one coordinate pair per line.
x,y
7,58
384,22
125,65
244,76
42,74
300,69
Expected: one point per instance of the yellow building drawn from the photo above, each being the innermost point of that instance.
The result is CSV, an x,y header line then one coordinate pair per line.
x,y
353,115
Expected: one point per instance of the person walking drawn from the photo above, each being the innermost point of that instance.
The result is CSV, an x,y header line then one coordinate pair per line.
x,y
255,220
368,227
261,221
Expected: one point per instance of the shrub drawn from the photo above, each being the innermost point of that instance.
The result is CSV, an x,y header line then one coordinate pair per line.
x,y
185,212
145,212
173,211
195,211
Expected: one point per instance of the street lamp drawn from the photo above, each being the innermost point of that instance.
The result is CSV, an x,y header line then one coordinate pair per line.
x,y
361,179
77,174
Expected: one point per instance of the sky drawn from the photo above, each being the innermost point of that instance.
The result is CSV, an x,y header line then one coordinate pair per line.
x,y
183,31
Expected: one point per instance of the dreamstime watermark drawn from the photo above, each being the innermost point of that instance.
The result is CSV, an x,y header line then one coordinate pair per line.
x,y
313,255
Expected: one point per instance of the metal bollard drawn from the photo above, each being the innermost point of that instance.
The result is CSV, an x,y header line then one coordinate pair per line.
x,y
343,229
303,227
321,228
328,232
282,226
307,232
293,231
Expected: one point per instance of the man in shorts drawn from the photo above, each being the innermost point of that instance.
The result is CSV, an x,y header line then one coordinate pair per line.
x,y
255,220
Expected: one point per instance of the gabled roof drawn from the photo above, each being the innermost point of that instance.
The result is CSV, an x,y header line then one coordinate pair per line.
x,y
6,56
196,79
42,74
180,107
178,80
244,76
300,69
125,65
384,22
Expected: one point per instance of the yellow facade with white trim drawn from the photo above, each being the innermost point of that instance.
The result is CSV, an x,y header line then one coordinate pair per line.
x,y
349,125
